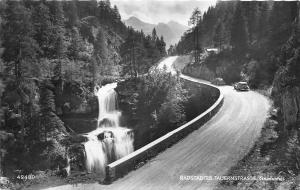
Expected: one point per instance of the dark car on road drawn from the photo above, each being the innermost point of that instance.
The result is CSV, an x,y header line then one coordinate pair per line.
x,y
241,86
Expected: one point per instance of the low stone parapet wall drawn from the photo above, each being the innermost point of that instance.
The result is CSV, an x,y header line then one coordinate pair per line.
x,y
130,162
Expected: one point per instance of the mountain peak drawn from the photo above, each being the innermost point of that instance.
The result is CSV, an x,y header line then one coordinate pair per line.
x,y
133,18
171,31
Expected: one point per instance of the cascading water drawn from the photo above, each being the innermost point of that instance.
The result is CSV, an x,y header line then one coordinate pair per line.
x,y
95,155
109,141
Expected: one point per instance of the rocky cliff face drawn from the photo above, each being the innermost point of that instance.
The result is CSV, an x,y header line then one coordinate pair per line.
x,y
291,106
288,99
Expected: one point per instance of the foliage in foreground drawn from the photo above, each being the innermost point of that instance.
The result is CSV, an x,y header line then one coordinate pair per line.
x,y
153,104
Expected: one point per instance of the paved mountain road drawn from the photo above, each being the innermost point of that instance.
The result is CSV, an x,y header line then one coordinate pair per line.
x,y
209,151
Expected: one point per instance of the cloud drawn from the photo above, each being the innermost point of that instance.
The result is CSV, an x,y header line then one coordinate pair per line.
x,y
155,11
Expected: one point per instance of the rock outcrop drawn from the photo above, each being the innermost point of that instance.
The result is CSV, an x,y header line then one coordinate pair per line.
x,y
290,101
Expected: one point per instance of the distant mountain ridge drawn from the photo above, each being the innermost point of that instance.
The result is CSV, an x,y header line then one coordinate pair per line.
x,y
171,31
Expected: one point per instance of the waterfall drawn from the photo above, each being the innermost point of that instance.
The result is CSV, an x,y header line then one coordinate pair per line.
x,y
107,103
109,141
95,155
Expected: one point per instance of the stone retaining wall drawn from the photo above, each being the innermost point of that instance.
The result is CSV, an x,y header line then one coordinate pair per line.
x,y
130,162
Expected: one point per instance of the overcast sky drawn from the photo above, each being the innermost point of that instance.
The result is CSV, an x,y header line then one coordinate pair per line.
x,y
155,11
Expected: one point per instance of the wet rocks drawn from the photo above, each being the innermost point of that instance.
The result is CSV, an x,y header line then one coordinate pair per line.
x,y
77,157
104,135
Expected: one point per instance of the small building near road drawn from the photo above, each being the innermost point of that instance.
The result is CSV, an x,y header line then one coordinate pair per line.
x,y
212,50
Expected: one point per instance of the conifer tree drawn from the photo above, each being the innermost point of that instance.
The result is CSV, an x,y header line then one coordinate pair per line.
x,y
116,13
280,20
50,122
21,49
76,45
263,12
100,51
58,31
239,31
161,46
100,45
43,30
219,37
71,11
195,20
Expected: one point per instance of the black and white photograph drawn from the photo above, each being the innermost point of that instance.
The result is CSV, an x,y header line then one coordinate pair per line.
x,y
149,95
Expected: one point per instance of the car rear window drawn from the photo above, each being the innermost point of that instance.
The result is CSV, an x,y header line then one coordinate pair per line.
x,y
242,85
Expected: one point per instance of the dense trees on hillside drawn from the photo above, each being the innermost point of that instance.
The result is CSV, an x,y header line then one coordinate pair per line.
x,y
252,31
222,13
239,31
141,51
52,48
20,47
258,42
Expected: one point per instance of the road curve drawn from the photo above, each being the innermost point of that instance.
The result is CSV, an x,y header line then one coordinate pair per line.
x,y
209,151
